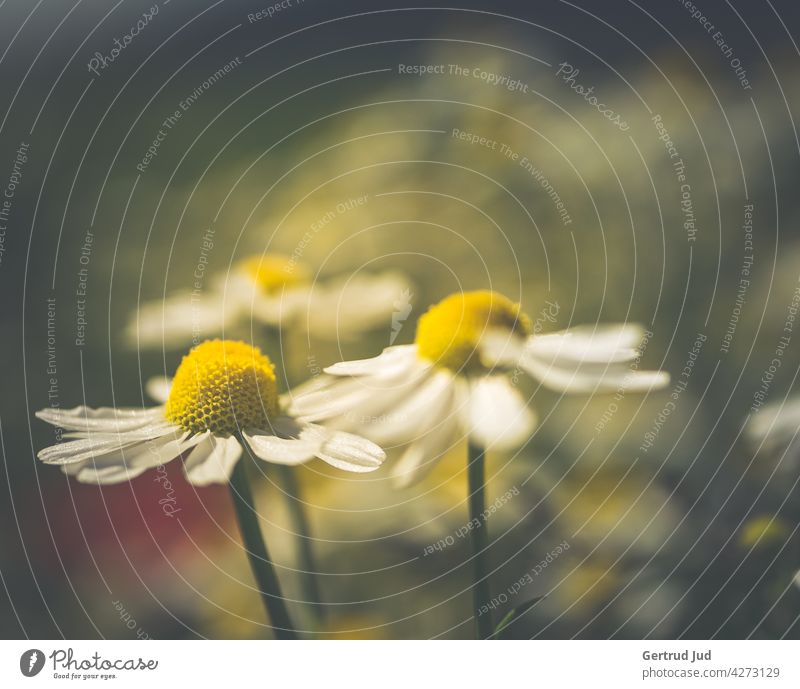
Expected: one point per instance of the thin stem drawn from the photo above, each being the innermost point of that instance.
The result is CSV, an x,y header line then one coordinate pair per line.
x,y
287,476
257,553
479,537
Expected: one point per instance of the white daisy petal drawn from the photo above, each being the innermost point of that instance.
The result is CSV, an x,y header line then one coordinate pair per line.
x,y
199,453
302,391
82,446
351,400
350,452
333,397
212,460
390,362
586,360
128,463
399,423
158,388
387,402
74,451
605,344
601,343
423,454
342,450
595,378
102,419
499,417
433,438
128,437
271,448
104,470
314,384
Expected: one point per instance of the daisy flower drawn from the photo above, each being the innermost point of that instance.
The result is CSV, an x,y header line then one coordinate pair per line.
x,y
457,379
274,290
454,381
223,393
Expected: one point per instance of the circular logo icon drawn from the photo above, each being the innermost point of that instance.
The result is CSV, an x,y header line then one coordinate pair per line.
x,y
31,662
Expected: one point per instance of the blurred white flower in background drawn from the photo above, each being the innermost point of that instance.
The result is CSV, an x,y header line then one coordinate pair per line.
x,y
774,429
272,290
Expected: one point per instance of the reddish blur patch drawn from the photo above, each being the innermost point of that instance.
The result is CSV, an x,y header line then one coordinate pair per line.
x,y
155,518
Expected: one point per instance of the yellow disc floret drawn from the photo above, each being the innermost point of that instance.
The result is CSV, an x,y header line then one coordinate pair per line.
x,y
273,272
222,386
450,332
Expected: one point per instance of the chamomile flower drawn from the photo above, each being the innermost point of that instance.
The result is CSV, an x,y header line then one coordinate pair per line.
x,y
222,390
274,290
455,380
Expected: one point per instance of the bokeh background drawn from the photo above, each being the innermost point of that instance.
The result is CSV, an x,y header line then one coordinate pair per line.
x,y
687,532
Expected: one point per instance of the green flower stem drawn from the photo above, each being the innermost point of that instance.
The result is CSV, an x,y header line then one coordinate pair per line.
x,y
479,537
287,475
257,552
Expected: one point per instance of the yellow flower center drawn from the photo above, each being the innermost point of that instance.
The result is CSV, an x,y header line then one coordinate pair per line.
x,y
222,386
450,332
273,272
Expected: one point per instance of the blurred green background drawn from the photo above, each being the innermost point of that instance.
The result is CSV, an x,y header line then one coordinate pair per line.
x,y
696,536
